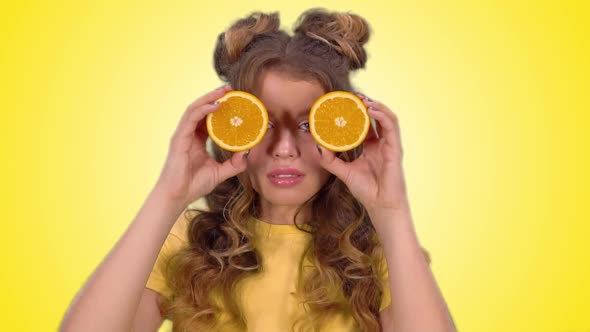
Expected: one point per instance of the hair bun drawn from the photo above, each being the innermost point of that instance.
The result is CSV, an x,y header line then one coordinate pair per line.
x,y
345,32
231,43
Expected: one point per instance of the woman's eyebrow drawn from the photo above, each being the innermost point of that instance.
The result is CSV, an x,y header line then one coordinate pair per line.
x,y
304,112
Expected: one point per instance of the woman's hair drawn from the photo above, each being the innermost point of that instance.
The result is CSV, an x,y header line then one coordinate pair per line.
x,y
325,47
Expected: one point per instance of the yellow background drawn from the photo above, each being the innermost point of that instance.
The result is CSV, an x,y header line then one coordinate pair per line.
x,y
493,104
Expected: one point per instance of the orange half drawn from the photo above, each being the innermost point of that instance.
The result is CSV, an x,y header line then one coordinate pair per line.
x,y
339,121
239,123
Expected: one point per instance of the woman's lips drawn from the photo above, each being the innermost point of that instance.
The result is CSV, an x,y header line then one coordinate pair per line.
x,y
286,177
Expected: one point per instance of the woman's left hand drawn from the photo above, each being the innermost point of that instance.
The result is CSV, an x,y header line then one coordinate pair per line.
x,y
376,177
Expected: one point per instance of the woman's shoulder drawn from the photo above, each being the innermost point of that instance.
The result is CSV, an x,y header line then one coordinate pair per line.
x,y
180,228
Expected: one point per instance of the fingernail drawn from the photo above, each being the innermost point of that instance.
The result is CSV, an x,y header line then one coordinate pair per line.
x,y
214,103
245,156
319,149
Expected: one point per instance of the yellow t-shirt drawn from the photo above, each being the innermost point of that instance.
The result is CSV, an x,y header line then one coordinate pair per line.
x,y
267,299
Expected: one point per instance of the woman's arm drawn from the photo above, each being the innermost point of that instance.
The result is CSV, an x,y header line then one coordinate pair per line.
x,y
419,304
110,298
376,179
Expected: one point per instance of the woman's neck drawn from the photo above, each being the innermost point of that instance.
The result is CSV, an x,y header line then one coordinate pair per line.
x,y
282,215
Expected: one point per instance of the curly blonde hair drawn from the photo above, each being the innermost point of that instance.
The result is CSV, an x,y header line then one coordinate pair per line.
x,y
343,249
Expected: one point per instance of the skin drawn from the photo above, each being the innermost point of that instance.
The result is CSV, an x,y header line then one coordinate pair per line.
x,y
287,143
376,179
115,298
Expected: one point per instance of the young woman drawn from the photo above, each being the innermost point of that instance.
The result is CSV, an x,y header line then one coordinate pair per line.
x,y
292,236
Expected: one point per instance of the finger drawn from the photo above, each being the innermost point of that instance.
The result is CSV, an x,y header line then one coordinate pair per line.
x,y
381,107
373,133
391,126
203,100
189,126
387,125
364,98
209,97
233,166
332,164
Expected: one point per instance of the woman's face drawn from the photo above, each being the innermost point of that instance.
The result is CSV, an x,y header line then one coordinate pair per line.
x,y
284,167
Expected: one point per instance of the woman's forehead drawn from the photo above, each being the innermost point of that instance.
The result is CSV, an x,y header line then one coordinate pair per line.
x,y
280,93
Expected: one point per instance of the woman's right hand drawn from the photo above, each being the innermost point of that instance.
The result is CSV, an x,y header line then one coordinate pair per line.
x,y
190,172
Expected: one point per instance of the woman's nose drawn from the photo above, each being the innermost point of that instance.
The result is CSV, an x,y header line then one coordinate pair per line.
x,y
284,144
